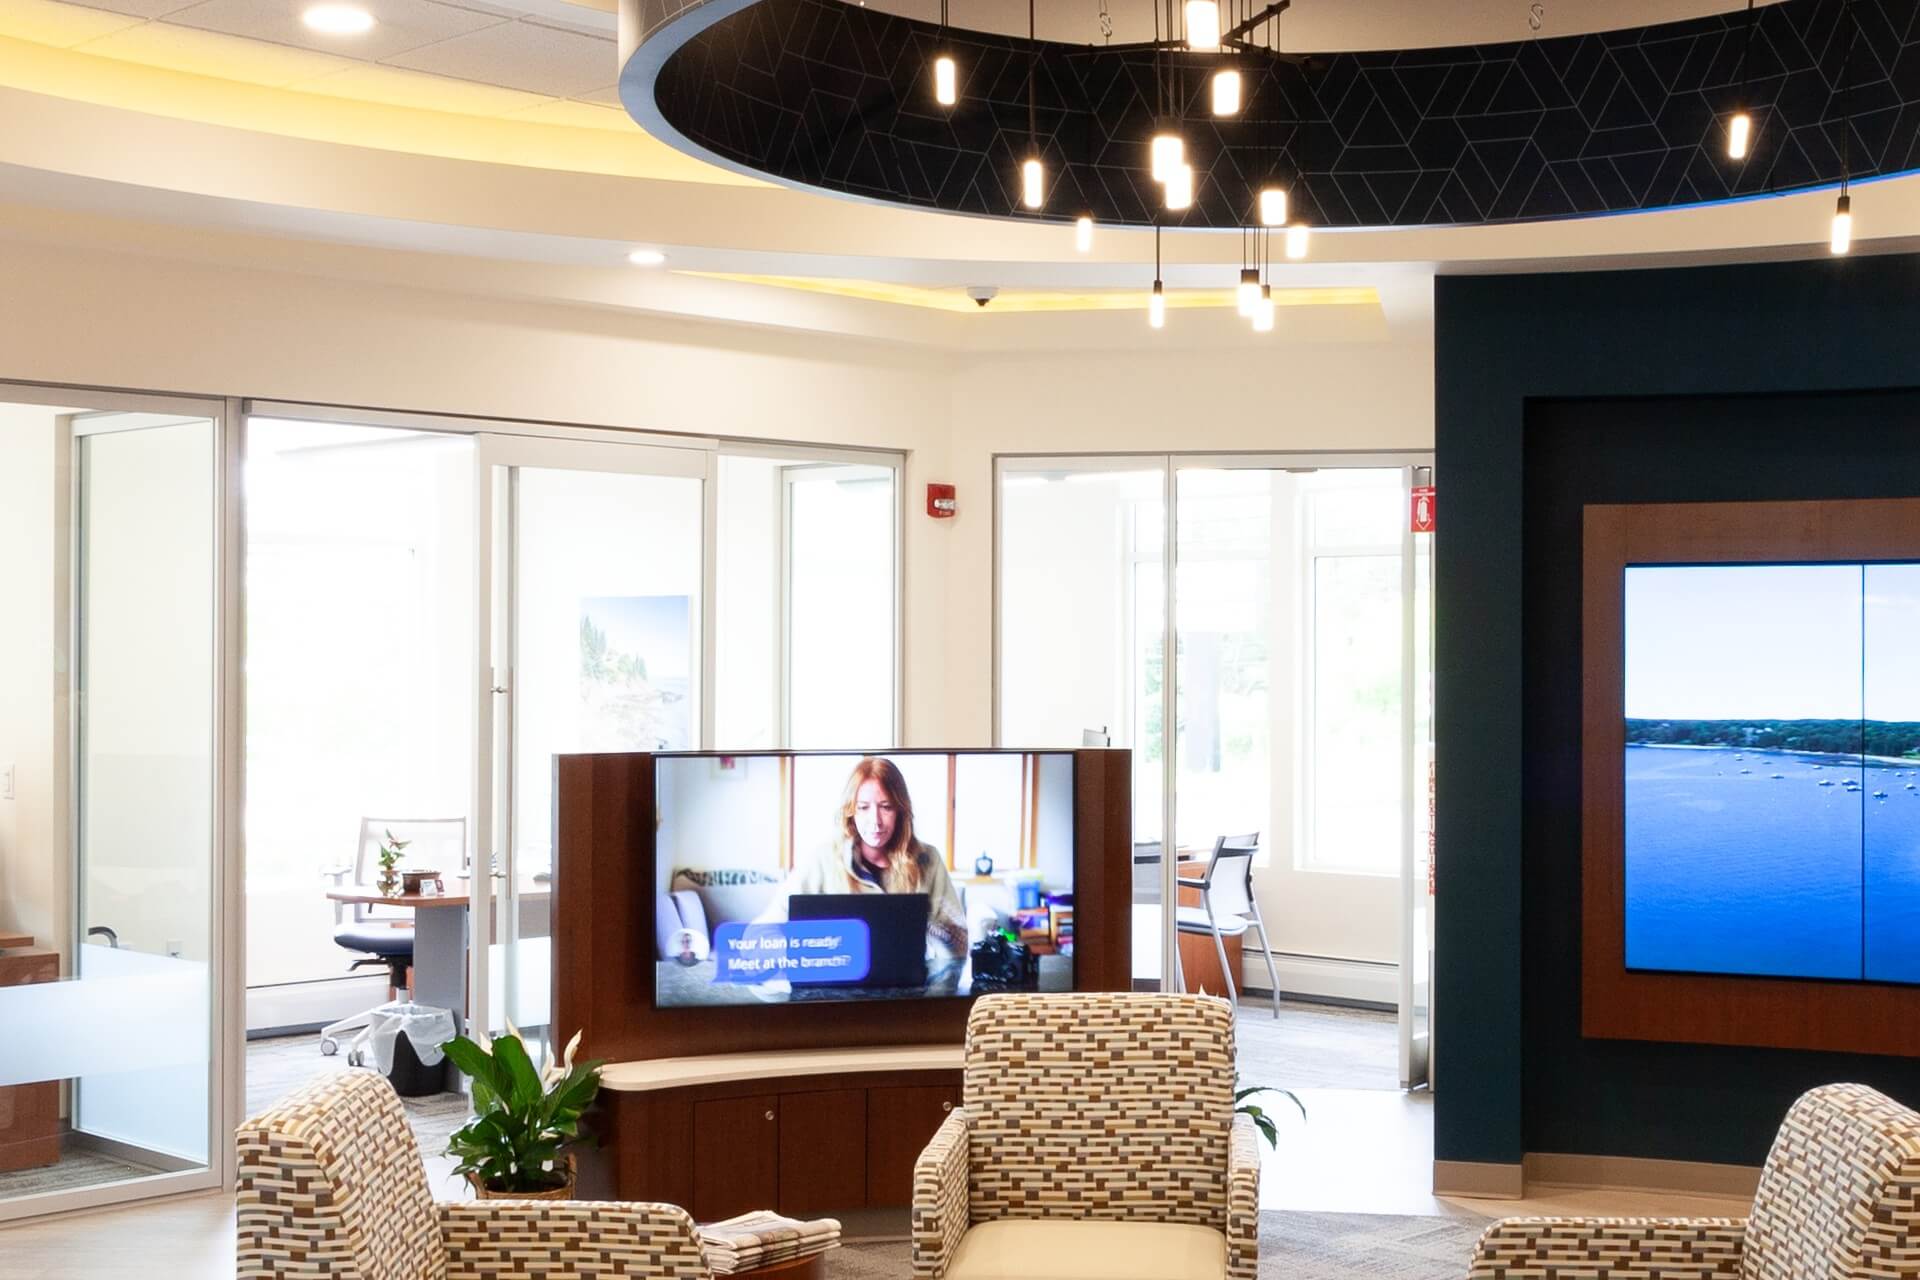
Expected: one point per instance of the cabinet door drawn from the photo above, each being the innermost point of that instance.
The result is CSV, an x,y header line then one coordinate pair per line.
x,y
900,1122
823,1151
736,1156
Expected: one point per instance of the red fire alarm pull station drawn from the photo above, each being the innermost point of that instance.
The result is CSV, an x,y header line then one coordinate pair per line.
x,y
1423,508
940,503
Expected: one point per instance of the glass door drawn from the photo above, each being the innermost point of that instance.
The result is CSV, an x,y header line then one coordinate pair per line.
x,y
1416,909
593,603
110,1074
1082,641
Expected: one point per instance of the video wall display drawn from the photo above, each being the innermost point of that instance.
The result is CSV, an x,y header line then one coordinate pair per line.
x,y
784,877
1772,770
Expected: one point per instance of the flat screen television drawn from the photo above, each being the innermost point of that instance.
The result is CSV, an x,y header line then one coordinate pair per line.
x,y
785,877
1772,770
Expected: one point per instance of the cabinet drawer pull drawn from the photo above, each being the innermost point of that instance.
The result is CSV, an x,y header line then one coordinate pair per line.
x,y
769,1115
946,1106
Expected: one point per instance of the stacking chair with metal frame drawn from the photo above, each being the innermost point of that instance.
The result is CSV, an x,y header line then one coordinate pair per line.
x,y
1226,900
386,941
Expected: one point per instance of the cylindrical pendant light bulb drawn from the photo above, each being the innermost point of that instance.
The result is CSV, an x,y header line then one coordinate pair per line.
x,y
1843,225
1167,152
1180,187
1273,206
1249,291
1157,307
1263,310
946,80
1032,183
1739,134
1203,25
1226,92
1297,241
1083,232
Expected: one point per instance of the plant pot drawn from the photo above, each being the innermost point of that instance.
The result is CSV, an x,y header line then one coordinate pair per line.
x,y
562,1192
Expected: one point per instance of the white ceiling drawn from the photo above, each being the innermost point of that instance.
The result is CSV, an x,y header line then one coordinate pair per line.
x,y
547,47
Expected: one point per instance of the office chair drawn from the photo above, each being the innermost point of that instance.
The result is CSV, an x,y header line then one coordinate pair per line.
x,y
1227,899
383,937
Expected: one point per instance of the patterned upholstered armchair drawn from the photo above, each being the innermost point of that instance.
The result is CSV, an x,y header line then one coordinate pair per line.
x,y
1839,1199
1097,1139
332,1188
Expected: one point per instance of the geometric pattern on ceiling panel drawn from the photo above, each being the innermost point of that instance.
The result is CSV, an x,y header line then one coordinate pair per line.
x,y
824,94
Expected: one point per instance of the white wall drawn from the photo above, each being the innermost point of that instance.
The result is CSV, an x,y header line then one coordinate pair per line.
x,y
113,319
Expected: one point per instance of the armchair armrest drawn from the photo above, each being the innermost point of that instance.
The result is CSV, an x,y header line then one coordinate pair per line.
x,y
940,1197
564,1239
1243,1200
1597,1248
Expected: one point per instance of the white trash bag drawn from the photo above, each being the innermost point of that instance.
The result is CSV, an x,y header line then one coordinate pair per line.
x,y
425,1026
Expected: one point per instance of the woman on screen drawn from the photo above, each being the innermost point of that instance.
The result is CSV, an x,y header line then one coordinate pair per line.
x,y
873,850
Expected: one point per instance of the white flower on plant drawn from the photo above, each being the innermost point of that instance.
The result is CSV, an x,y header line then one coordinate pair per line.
x,y
557,1071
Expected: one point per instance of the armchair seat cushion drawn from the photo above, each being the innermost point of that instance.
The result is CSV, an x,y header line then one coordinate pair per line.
x,y
1088,1249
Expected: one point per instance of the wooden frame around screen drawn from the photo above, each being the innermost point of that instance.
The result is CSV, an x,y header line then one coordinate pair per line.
x,y
1784,1013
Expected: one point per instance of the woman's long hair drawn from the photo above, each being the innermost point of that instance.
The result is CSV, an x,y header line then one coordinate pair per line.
x,y
903,862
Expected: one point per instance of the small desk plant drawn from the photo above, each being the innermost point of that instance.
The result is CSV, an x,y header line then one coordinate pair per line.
x,y
389,855
524,1118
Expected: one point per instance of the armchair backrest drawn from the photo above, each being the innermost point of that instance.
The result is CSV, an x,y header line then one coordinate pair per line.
x,y
331,1188
1839,1196
1099,1105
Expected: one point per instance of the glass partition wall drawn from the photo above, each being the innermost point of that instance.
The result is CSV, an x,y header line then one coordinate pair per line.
x,y
1292,593
113,928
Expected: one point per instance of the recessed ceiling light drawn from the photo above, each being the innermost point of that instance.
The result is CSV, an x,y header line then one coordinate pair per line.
x,y
646,257
338,19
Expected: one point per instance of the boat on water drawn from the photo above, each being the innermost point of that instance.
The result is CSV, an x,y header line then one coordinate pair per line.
x,y
1879,795
1826,782
1746,771
1776,776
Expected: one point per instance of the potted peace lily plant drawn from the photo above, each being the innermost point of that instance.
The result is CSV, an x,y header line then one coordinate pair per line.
x,y
524,1118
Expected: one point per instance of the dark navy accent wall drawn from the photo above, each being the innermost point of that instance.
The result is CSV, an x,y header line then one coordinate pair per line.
x,y
1776,381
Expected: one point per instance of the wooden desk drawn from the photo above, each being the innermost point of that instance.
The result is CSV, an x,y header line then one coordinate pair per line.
x,y
29,1113
439,934
1199,962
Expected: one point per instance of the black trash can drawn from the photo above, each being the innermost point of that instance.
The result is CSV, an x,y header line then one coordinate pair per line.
x,y
411,1079
403,1040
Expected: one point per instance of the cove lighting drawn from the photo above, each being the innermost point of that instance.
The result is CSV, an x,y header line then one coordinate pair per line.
x,y
646,257
338,19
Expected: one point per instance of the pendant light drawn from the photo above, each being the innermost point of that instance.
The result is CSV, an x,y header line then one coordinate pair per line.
x,y
1297,241
1740,128
1203,25
1167,152
1180,188
1157,300
1033,177
1247,296
946,75
1842,239
1273,206
1263,310
1083,232
1226,92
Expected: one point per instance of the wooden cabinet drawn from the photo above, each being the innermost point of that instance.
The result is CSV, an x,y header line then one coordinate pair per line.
x,y
736,1155
29,1113
803,1145
900,1122
823,1151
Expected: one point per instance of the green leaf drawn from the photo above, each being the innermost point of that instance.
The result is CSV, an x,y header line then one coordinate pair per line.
x,y
476,1062
521,1081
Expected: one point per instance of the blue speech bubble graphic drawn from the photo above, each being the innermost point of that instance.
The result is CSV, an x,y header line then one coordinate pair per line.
x,y
797,950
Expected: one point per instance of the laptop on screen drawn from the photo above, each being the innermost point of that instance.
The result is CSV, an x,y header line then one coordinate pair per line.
x,y
896,923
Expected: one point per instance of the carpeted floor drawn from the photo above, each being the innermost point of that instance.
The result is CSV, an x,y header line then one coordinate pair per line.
x,y
1293,1246
77,1167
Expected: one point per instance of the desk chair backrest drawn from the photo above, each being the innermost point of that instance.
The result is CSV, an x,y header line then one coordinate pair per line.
x,y
1146,870
1099,1105
438,844
331,1187
1229,878
1839,1196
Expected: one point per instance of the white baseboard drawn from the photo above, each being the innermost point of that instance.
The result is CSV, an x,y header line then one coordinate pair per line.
x,y
1324,978
310,1004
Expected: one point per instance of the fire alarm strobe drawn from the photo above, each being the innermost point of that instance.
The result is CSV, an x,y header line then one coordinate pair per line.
x,y
940,503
